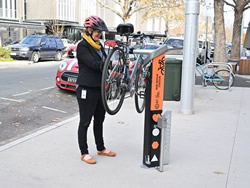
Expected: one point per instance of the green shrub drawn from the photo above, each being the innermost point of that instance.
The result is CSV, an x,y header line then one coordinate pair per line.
x,y
5,54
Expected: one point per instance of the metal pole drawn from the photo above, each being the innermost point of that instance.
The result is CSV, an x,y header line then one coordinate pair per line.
x,y
189,56
206,44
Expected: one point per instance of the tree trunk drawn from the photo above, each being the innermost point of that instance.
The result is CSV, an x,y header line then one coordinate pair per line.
x,y
236,43
220,36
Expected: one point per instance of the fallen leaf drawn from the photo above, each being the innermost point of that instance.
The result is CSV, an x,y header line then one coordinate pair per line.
x,y
56,120
219,172
16,124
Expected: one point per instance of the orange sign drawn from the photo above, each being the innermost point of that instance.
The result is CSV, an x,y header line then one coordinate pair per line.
x,y
157,87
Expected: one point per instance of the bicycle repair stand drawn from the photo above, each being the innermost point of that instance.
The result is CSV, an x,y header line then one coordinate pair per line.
x,y
156,125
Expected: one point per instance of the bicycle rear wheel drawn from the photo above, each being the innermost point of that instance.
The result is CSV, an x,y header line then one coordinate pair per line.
x,y
140,89
222,79
112,89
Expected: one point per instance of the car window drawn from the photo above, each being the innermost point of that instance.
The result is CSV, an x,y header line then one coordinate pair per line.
x,y
176,43
59,42
43,40
47,41
52,42
200,44
35,40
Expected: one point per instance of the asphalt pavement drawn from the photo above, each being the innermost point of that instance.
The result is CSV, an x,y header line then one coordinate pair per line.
x,y
208,149
29,98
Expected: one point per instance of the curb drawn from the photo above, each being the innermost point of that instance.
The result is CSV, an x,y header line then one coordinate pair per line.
x,y
16,62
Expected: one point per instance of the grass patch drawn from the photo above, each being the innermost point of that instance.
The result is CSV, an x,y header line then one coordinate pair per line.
x,y
5,54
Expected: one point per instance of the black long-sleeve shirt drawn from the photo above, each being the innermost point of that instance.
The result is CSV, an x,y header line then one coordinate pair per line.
x,y
90,65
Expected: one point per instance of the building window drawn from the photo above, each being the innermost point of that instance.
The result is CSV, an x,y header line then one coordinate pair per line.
x,y
66,10
1,8
25,9
8,9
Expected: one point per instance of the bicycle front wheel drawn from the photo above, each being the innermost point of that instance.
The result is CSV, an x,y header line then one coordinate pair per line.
x,y
222,79
140,89
112,89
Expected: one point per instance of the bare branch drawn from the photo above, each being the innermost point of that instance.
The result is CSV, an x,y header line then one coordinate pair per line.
x,y
229,4
110,8
118,2
137,9
247,7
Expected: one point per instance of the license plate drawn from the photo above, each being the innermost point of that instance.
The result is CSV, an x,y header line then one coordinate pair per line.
x,y
12,53
72,80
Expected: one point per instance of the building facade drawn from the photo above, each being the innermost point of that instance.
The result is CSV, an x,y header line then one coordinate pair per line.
x,y
13,23
19,18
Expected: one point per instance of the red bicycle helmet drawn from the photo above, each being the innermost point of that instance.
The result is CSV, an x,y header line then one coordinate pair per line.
x,y
95,23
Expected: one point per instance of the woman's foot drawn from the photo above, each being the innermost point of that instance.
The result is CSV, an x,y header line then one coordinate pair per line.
x,y
88,159
106,152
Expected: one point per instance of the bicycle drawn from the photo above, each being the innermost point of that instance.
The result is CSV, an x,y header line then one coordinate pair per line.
x,y
116,77
222,79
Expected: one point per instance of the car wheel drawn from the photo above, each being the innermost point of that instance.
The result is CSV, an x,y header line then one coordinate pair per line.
x,y
58,56
35,57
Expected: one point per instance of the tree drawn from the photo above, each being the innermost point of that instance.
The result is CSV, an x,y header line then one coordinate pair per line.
x,y
51,27
171,11
220,36
239,7
126,8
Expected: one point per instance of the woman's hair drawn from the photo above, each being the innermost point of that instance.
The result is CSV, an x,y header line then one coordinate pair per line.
x,y
88,31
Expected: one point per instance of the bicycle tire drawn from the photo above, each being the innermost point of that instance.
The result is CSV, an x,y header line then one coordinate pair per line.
x,y
140,89
112,90
221,79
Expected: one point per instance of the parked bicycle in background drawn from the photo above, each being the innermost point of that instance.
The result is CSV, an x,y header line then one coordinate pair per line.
x,y
220,75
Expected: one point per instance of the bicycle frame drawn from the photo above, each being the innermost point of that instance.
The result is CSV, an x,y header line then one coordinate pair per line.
x,y
204,75
126,75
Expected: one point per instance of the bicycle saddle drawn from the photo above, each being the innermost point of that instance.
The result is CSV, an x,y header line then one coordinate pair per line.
x,y
125,29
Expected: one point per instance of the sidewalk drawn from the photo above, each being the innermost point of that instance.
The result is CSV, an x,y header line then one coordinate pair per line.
x,y
209,149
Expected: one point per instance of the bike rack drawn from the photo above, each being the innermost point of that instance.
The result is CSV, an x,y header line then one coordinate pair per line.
x,y
213,64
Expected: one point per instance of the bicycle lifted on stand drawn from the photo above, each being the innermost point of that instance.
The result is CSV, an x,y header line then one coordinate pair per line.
x,y
116,78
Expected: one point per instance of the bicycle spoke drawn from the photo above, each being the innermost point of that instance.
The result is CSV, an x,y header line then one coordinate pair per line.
x,y
112,91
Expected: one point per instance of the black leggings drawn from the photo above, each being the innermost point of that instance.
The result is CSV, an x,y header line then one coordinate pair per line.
x,y
89,107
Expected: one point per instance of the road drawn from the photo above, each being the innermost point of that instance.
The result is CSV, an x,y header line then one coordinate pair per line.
x,y
30,100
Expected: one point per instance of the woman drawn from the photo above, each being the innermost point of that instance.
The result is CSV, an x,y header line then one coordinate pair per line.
x,y
91,57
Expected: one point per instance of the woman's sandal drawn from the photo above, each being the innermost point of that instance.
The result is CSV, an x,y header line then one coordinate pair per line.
x,y
88,159
106,152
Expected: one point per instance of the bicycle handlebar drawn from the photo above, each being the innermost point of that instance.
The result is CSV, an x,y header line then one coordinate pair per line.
x,y
151,36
